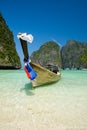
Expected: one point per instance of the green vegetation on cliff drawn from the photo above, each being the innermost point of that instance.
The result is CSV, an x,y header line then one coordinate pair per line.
x,y
49,52
74,55
8,55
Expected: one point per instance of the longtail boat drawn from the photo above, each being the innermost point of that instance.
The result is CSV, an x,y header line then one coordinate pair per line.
x,y
44,76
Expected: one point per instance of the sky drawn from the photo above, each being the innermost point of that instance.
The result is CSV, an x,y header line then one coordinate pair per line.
x,y
46,20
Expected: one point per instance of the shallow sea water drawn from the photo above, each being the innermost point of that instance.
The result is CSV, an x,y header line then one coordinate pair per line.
x,y
59,106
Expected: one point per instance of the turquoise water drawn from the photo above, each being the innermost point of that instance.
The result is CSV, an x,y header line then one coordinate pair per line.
x,y
62,105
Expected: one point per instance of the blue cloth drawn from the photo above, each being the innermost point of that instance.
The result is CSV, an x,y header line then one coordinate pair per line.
x,y
31,71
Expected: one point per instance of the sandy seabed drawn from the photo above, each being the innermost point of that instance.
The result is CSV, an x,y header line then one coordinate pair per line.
x,y
55,107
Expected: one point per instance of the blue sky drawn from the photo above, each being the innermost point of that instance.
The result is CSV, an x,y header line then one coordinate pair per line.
x,y
46,20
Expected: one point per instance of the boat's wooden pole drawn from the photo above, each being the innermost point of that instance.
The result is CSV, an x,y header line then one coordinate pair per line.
x,y
25,49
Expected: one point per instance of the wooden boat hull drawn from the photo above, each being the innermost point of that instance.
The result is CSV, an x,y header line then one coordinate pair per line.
x,y
44,76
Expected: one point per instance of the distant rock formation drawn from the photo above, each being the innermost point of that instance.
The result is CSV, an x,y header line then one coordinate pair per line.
x,y
9,58
74,55
49,53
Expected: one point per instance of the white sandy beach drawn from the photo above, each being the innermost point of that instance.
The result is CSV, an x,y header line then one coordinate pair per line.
x,y
60,106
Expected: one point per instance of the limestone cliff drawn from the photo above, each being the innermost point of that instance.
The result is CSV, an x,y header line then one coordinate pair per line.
x,y
9,58
49,53
74,55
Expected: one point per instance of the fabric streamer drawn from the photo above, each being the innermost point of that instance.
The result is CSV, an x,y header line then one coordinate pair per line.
x,y
25,37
